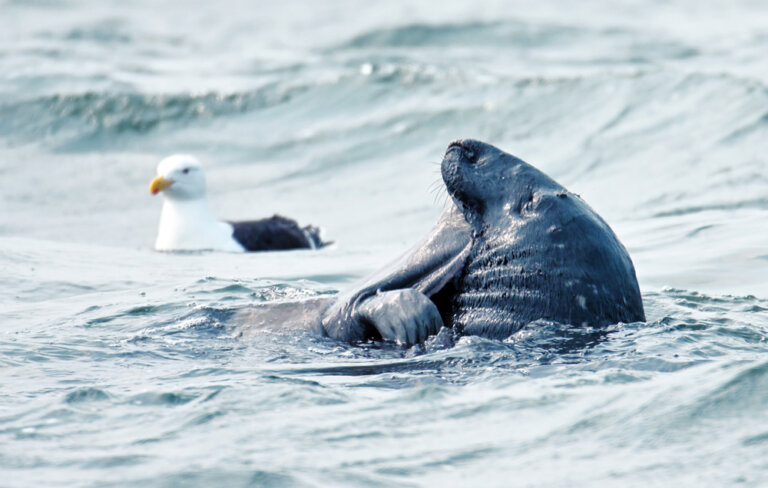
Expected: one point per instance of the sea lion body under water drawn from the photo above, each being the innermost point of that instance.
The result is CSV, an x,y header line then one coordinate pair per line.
x,y
516,247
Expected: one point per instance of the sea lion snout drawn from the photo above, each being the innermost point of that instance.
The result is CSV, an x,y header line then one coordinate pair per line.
x,y
467,150
459,154
462,173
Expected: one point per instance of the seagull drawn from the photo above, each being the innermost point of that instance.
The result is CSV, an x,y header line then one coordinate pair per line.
x,y
187,224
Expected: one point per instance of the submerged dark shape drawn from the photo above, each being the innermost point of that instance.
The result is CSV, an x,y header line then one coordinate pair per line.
x,y
516,247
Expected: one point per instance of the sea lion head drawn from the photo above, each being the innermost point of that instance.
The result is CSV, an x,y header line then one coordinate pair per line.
x,y
483,179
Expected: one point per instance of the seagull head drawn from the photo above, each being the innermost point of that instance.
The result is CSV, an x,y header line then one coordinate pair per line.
x,y
179,176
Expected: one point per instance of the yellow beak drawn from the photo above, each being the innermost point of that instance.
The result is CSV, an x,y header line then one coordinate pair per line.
x,y
159,184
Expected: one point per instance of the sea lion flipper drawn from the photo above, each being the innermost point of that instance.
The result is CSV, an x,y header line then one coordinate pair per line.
x,y
425,269
402,316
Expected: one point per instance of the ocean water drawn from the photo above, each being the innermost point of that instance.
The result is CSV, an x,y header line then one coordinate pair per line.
x,y
121,366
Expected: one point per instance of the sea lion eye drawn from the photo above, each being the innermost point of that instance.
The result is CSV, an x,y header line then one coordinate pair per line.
x,y
186,170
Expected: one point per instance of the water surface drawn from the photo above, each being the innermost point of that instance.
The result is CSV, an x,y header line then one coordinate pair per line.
x,y
125,367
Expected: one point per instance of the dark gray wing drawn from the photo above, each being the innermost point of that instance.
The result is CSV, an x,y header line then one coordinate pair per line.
x,y
428,267
275,233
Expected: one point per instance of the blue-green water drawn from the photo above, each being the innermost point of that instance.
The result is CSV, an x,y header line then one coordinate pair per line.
x,y
120,366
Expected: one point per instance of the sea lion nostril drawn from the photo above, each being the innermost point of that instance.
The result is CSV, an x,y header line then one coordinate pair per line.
x,y
454,146
464,148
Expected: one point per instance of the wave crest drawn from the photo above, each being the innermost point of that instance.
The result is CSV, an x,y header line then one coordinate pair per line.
x,y
94,113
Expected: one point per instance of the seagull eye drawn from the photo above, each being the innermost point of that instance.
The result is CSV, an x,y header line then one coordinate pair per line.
x,y
186,170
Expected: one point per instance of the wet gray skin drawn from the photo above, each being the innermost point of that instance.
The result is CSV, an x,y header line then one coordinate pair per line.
x,y
516,247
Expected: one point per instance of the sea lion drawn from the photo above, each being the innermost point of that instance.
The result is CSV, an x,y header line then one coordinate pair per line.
x,y
514,247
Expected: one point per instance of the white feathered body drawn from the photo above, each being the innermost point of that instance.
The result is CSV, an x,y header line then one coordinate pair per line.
x,y
190,225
